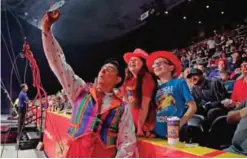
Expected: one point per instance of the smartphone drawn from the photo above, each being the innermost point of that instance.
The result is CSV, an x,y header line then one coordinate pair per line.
x,y
57,6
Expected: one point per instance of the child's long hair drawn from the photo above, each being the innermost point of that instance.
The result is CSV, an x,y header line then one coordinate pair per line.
x,y
140,76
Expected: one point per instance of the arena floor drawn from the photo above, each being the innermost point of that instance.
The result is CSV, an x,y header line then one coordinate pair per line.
x,y
9,151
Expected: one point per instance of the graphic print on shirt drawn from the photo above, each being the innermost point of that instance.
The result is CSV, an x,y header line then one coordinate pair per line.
x,y
130,94
166,103
171,99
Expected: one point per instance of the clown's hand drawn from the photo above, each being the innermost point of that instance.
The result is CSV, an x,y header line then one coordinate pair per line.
x,y
48,19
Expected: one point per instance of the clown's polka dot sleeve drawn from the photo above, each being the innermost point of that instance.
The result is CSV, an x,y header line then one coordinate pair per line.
x,y
70,82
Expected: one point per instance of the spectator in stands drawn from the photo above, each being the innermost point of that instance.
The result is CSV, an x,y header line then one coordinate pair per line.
x,y
244,56
138,89
211,47
185,62
236,74
221,66
67,104
239,141
218,43
211,64
224,76
173,97
184,74
201,67
240,88
235,63
208,93
229,42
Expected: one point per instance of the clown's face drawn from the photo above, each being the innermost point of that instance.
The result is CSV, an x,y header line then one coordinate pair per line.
x,y
108,76
162,66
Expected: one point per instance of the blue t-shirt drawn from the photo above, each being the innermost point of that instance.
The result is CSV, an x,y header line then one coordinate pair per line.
x,y
22,99
170,98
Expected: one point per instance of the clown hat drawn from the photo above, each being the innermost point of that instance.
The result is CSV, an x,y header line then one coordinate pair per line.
x,y
167,55
137,53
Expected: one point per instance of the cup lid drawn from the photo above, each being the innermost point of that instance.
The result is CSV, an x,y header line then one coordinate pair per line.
x,y
173,118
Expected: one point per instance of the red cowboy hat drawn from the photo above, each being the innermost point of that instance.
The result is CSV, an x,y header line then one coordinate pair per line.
x,y
167,55
137,53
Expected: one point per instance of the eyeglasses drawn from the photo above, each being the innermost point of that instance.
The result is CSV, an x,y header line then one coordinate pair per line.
x,y
157,64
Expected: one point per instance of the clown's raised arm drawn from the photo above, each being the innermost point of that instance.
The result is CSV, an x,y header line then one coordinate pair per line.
x,y
70,82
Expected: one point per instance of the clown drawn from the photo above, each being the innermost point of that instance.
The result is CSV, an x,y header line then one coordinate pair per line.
x,y
173,95
101,124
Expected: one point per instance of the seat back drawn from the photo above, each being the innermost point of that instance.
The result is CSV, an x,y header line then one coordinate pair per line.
x,y
220,133
195,130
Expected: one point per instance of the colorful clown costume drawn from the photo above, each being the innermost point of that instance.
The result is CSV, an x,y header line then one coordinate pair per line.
x,y
102,125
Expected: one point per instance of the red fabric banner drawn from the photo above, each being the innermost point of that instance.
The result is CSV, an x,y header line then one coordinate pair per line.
x,y
55,134
55,141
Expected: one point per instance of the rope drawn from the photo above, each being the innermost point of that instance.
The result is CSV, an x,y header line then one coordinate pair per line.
x,y
10,42
15,69
17,20
11,74
37,84
35,71
25,72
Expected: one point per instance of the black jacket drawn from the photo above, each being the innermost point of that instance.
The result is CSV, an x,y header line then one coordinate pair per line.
x,y
212,91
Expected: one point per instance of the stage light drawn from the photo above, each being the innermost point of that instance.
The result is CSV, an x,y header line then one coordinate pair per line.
x,y
207,6
214,31
184,17
199,22
166,12
222,12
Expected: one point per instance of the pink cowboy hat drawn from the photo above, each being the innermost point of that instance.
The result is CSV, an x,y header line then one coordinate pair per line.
x,y
137,53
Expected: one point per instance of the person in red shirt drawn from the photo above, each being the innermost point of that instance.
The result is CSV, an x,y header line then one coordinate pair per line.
x,y
137,90
239,93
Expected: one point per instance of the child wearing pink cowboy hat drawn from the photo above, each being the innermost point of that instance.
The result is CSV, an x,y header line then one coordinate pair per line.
x,y
173,96
138,90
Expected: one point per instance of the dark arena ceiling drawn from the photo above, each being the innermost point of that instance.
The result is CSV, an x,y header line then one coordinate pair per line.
x,y
93,21
88,21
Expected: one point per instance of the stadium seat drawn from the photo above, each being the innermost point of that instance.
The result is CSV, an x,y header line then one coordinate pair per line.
x,y
220,133
196,129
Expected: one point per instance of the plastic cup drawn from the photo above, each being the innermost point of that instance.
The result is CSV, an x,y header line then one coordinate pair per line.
x,y
173,124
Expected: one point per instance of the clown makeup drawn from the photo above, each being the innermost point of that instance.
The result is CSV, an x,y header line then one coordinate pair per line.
x,y
135,64
108,77
162,66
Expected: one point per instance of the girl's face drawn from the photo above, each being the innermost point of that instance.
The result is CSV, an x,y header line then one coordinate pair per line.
x,y
135,64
